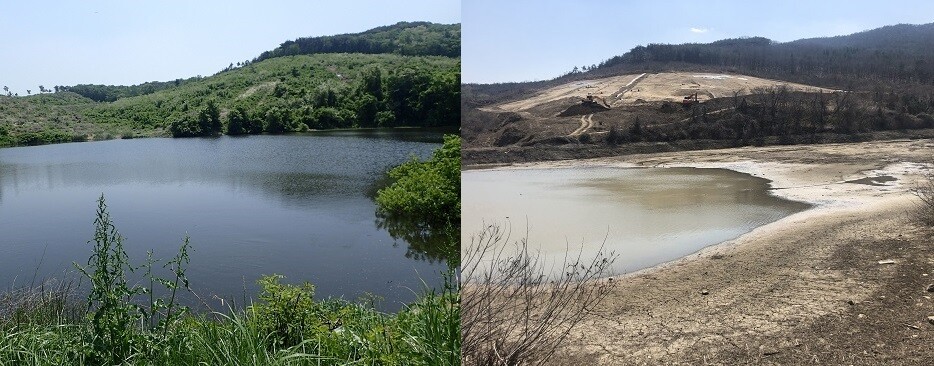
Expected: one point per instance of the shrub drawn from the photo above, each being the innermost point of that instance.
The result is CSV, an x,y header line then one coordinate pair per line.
x,y
514,311
925,193
287,311
426,191
187,126
278,120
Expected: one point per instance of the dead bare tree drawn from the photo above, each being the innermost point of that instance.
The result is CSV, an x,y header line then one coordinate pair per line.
x,y
516,311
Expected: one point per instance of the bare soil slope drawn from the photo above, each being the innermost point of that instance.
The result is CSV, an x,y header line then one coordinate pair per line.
x,y
552,118
659,87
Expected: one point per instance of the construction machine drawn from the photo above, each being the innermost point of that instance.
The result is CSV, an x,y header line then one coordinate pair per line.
x,y
593,99
689,100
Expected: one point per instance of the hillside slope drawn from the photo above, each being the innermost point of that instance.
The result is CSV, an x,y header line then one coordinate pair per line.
x,y
314,91
868,85
274,94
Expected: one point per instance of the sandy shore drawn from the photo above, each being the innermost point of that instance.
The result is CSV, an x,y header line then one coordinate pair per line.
x,y
805,289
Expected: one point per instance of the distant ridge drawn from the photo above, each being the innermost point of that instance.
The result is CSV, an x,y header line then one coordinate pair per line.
x,y
403,38
892,53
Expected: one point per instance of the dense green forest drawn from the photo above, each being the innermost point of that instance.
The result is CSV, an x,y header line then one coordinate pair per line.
x,y
403,38
343,86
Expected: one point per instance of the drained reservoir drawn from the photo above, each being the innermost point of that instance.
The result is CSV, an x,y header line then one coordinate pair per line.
x,y
647,216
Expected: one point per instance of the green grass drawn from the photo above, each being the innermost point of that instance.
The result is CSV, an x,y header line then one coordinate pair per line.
x,y
122,323
425,333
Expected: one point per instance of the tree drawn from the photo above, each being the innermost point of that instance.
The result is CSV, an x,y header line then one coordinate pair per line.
x,y
209,120
371,82
427,191
237,121
367,108
326,117
185,127
278,120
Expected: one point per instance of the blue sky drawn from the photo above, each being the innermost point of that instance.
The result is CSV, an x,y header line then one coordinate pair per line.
x,y
126,42
524,40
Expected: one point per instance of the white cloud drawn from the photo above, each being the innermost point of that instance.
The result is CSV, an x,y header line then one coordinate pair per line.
x,y
699,30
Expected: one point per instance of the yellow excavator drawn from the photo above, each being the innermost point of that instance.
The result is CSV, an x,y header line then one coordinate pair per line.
x,y
593,99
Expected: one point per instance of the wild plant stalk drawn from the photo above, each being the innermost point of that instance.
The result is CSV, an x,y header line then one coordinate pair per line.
x,y
925,193
110,298
514,311
112,301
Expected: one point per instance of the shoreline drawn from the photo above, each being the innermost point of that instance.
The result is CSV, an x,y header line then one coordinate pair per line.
x,y
827,197
806,287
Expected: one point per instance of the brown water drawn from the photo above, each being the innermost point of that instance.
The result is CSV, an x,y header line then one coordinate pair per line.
x,y
647,216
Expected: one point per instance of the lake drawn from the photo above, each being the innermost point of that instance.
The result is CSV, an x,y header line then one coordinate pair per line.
x,y
647,216
299,205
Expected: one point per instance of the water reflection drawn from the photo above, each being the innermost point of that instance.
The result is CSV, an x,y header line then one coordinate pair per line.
x,y
295,205
434,244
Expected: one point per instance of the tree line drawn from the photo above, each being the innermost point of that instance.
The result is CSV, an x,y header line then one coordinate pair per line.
x,y
407,97
404,38
784,116
890,56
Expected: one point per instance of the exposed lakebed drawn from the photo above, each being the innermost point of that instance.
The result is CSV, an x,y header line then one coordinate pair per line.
x,y
647,216
300,206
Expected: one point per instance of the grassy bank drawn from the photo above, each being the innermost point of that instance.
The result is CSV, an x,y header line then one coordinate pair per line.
x,y
124,323
338,333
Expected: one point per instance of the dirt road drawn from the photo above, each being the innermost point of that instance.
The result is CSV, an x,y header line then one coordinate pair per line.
x,y
586,124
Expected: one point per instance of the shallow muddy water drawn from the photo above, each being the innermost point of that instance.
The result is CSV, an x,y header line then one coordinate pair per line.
x,y
647,216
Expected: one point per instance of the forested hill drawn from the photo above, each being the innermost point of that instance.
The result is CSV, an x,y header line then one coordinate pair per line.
x,y
889,55
287,93
891,58
403,38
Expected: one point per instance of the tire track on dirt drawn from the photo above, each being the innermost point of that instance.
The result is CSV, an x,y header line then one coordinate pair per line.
x,y
586,124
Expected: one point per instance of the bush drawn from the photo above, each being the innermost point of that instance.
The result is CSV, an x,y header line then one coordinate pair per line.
x,y
207,123
514,311
187,126
287,312
426,191
925,193
279,120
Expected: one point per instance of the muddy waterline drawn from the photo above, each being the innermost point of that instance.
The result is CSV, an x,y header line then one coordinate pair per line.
x,y
646,216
